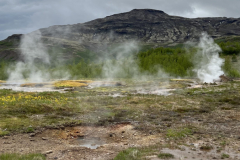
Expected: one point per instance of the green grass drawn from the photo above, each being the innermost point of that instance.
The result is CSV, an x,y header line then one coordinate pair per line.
x,y
5,43
22,157
179,133
223,156
137,153
129,154
4,133
24,112
165,156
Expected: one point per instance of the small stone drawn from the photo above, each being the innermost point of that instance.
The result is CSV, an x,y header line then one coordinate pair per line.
x,y
48,152
32,134
44,138
55,158
6,143
32,139
5,137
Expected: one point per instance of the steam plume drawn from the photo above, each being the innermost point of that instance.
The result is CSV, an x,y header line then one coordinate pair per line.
x,y
32,52
36,61
207,60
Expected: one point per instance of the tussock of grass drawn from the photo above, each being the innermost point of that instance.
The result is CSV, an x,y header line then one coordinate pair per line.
x,y
165,156
128,154
3,133
223,156
179,133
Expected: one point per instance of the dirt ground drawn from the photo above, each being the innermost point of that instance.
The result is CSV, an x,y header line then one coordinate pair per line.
x,y
82,142
103,143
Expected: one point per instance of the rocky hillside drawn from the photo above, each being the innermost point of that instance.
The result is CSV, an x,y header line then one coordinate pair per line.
x,y
147,26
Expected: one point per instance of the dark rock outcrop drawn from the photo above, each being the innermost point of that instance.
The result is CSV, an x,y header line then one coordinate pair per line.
x,y
145,25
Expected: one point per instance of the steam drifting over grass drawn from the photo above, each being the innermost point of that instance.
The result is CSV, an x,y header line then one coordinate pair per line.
x,y
33,51
207,61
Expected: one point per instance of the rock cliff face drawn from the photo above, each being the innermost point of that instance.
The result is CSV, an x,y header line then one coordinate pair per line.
x,y
145,25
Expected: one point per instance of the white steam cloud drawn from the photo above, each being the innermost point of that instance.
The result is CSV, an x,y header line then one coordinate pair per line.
x,y
207,61
32,51
125,64
36,62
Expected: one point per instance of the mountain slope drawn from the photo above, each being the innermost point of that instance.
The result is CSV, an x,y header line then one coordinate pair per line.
x,y
147,26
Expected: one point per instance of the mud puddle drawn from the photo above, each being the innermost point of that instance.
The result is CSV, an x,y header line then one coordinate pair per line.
x,y
91,143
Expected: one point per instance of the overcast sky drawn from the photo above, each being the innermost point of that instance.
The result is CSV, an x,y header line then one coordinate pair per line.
x,y
24,16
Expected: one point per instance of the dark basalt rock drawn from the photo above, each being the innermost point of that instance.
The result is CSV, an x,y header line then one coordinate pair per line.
x,y
146,25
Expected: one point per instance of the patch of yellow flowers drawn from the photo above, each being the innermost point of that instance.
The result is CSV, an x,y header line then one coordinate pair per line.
x,y
13,99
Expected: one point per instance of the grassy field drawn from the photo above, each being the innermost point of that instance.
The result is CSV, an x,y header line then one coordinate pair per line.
x,y
173,116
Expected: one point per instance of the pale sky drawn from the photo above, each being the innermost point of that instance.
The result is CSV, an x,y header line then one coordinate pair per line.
x,y
24,16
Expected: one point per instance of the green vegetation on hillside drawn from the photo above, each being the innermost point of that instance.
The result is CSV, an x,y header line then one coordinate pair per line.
x,y
175,61
229,45
230,48
6,43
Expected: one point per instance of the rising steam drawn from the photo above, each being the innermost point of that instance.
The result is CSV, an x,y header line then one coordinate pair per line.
x,y
32,51
125,64
36,61
207,61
